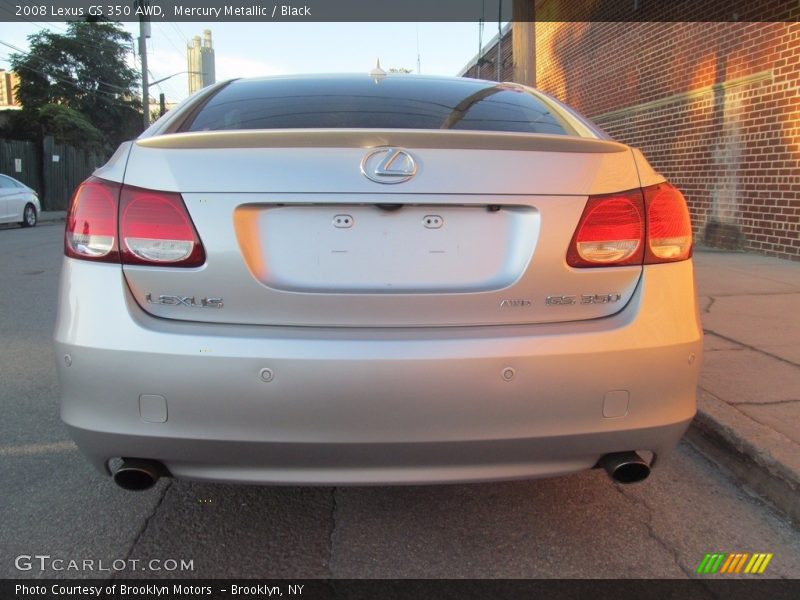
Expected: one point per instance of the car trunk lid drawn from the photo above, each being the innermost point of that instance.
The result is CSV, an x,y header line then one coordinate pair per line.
x,y
296,234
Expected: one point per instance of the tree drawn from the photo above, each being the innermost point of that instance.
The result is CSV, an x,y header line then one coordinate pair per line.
x,y
85,70
68,126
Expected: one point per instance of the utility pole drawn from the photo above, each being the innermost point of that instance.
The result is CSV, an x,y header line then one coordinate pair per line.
x,y
499,39
523,34
144,33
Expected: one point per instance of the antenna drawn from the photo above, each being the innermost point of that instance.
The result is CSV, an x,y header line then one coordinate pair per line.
x,y
419,68
377,73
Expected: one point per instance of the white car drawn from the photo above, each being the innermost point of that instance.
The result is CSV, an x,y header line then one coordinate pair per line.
x,y
356,280
18,202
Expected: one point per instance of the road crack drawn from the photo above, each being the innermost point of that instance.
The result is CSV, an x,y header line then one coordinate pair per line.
x,y
331,533
145,525
651,532
765,403
753,348
332,528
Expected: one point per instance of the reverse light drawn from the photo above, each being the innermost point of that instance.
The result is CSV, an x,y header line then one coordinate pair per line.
x,y
91,228
610,231
155,229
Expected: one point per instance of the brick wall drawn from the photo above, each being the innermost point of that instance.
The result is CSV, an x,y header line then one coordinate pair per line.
x,y
488,66
713,106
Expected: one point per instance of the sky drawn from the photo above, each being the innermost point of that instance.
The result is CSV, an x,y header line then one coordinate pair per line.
x,y
255,49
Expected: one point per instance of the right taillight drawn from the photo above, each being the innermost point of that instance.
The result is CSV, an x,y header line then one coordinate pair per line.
x,y
155,229
610,232
642,226
669,229
110,222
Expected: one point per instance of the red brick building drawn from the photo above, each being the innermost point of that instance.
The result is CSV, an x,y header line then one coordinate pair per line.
x,y
714,106
8,94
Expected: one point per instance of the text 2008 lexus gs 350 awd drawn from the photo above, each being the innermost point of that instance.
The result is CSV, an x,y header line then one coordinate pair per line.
x,y
358,280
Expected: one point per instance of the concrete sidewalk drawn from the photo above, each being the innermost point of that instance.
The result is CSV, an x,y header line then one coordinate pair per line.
x,y
748,416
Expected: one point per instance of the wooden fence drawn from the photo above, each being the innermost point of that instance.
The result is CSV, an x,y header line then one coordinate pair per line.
x,y
53,170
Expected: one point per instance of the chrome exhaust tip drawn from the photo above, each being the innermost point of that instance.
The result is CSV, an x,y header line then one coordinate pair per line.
x,y
625,467
137,474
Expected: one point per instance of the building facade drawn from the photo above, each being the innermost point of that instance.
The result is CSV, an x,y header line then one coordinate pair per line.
x,y
8,84
200,61
714,107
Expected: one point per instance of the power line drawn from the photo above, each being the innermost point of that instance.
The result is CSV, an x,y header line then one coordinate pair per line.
x,y
72,83
181,53
66,81
165,34
42,60
184,38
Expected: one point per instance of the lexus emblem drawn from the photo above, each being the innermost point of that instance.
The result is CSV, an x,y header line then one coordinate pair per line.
x,y
389,165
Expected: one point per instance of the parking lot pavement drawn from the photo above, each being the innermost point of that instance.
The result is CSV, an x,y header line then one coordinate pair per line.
x,y
50,502
54,503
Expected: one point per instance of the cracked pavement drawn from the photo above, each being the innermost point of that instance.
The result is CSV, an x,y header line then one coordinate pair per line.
x,y
752,347
54,503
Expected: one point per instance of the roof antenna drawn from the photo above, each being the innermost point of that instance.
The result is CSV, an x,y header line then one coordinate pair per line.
x,y
419,67
377,73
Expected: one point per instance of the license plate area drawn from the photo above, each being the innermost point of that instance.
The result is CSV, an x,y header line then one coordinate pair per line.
x,y
362,248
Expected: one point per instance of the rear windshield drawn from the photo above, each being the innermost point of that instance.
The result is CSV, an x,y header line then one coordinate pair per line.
x,y
392,102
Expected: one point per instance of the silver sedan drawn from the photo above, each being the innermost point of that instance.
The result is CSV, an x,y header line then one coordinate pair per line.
x,y
376,280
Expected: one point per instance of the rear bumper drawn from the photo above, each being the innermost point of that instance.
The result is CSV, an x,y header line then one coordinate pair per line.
x,y
350,406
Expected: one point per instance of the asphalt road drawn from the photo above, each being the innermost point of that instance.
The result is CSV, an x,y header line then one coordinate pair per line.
x,y
53,503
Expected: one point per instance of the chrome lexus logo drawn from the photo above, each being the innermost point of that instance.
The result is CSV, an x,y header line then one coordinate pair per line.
x,y
389,165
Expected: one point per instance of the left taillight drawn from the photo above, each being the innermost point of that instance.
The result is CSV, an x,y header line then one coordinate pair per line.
x,y
91,228
109,222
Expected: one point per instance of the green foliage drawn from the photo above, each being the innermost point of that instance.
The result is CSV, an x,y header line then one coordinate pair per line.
x,y
68,126
84,70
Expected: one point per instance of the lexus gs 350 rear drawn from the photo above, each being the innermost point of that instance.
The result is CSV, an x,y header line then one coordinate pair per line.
x,y
356,280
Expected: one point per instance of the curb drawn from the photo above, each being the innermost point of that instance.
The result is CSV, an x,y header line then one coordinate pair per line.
x,y
52,217
767,462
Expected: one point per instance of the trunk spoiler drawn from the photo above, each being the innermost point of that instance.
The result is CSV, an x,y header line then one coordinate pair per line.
x,y
371,138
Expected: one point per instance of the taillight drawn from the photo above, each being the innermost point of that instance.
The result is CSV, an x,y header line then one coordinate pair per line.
x,y
669,229
642,226
155,229
610,232
91,228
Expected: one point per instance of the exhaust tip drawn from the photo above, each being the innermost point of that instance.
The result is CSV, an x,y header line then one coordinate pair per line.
x,y
625,467
138,474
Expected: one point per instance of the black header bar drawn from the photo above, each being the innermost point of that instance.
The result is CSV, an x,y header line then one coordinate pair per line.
x,y
400,10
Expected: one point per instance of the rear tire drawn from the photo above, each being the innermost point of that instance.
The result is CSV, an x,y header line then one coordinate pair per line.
x,y
29,216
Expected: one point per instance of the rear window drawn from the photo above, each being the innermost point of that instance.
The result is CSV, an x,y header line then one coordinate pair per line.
x,y
359,102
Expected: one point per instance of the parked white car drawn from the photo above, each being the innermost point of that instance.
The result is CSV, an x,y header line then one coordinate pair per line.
x,y
18,202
